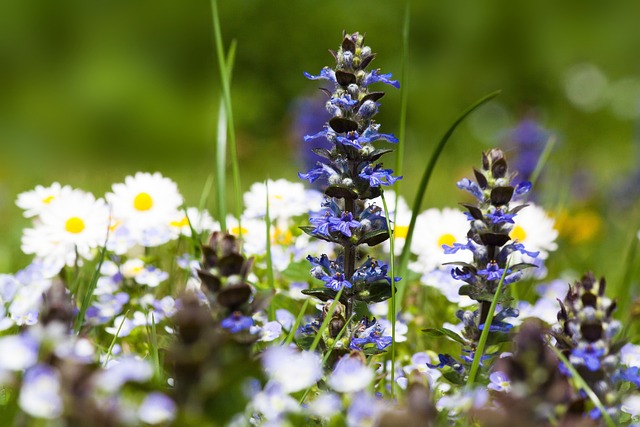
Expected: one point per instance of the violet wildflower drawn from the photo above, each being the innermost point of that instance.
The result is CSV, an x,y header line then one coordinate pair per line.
x,y
354,175
527,141
586,334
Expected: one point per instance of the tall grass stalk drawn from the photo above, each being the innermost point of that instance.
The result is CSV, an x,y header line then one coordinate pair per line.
x,y
392,307
225,77
270,279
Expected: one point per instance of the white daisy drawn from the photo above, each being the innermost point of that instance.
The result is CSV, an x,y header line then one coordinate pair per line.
x,y
286,199
534,228
145,204
35,201
71,225
194,218
434,228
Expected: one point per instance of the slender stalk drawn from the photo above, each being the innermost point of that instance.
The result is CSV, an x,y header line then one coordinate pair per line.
x,y
392,308
226,91
404,96
477,357
292,332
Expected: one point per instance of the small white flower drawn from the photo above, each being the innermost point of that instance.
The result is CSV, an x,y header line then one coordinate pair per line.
x,y
145,204
72,225
631,405
293,370
200,221
434,228
535,230
35,201
156,408
286,200
40,393
630,355
18,352
350,375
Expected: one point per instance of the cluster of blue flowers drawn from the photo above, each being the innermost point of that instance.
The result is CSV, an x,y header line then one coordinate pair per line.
x,y
352,175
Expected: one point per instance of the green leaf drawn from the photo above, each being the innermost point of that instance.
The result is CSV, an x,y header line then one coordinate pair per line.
x,y
297,271
375,292
444,332
374,238
323,294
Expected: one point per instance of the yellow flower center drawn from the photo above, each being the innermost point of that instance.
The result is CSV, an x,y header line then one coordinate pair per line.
x,y
400,231
236,231
184,222
48,199
74,225
518,234
446,239
143,202
282,237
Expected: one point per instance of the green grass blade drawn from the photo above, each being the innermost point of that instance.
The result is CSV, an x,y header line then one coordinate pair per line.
x,y
113,341
477,357
544,158
225,77
326,320
404,96
392,308
294,328
221,150
426,176
153,347
77,324
580,382
206,190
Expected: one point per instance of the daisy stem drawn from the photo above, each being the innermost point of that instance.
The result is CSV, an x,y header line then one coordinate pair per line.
x,y
392,308
422,188
113,341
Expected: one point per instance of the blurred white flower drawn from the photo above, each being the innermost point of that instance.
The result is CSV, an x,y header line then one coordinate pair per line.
x,y
156,408
18,352
399,221
434,228
35,201
286,200
350,375
534,228
145,204
72,225
40,393
200,221
631,405
291,369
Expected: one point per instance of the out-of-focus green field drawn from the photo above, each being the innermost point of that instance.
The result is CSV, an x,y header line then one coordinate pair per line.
x,y
94,91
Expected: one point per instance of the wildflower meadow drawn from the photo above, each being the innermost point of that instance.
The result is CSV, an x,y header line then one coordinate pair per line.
x,y
327,298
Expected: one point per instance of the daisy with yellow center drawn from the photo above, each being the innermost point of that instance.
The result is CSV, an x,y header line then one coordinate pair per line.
x,y
73,224
35,201
286,199
200,221
144,207
434,228
535,229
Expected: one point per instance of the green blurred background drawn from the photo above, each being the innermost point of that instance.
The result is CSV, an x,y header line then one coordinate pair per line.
x,y
92,91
